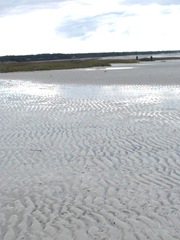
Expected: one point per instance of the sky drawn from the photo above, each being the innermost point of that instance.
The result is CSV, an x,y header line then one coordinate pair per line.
x,y
84,26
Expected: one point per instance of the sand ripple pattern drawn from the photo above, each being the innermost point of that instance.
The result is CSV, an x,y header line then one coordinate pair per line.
x,y
93,162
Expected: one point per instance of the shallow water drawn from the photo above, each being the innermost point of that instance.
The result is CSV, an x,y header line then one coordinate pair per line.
x,y
89,161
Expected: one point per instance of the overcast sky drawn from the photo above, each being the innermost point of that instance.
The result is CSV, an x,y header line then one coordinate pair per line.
x,y
76,26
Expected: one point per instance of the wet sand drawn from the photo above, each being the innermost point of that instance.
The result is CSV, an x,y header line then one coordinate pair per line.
x,y
90,154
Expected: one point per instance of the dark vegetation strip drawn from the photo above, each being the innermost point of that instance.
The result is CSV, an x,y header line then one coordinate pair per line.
x,y
67,64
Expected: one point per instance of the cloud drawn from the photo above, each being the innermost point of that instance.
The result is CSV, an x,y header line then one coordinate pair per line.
x,y
146,2
21,6
84,26
78,28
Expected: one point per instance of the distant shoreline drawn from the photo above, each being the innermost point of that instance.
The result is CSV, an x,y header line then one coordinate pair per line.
x,y
78,56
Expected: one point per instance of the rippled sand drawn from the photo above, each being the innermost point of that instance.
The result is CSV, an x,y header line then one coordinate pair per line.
x,y
89,161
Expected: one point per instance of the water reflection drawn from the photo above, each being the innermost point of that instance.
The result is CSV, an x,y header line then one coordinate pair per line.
x,y
15,87
130,93
108,68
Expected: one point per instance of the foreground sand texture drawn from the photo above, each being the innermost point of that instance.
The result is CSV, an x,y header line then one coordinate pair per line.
x,y
83,162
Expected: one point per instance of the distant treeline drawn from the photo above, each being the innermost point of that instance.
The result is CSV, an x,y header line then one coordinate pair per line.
x,y
61,56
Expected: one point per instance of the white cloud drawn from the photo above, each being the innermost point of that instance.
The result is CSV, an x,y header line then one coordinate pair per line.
x,y
90,26
21,6
147,2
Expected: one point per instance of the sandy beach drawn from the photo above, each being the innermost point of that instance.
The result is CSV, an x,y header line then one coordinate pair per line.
x,y
91,154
